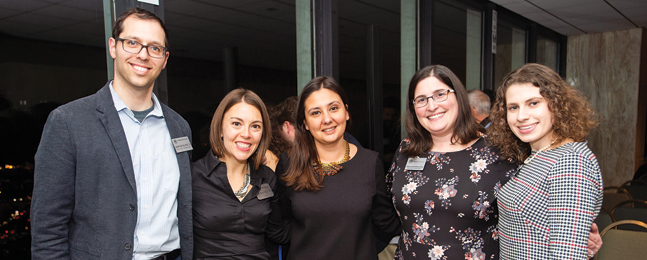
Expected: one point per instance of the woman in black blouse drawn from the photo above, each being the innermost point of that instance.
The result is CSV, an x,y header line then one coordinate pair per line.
x,y
235,201
337,190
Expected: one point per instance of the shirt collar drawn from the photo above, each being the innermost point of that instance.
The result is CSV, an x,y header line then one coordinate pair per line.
x,y
213,162
120,105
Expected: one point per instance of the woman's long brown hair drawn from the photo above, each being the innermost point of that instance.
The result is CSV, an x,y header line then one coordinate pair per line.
x,y
300,174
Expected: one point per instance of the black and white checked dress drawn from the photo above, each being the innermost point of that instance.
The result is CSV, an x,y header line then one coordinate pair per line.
x,y
546,210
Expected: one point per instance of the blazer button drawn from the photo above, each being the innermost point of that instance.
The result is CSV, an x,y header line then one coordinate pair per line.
x,y
131,206
127,246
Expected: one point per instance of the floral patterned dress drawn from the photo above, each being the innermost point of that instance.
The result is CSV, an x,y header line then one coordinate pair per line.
x,y
448,210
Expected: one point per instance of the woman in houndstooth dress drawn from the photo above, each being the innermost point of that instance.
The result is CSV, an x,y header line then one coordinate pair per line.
x,y
546,209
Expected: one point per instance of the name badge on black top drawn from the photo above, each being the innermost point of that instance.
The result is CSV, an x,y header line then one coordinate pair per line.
x,y
266,192
415,164
182,144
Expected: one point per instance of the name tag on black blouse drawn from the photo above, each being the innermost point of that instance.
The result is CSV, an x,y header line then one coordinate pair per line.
x,y
415,164
266,192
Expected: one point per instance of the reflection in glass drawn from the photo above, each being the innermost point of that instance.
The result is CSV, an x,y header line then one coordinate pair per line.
x,y
510,50
547,52
457,41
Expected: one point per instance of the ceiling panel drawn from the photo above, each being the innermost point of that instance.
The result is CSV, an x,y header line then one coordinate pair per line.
x,y
627,4
8,12
228,3
90,5
595,16
583,10
558,4
19,29
43,22
545,19
520,7
68,13
53,1
23,5
268,8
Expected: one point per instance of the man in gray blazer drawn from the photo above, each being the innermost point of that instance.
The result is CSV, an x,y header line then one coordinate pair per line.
x,y
112,176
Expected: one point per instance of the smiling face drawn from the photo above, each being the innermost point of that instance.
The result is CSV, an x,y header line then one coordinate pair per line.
x,y
325,116
137,71
242,130
528,115
437,118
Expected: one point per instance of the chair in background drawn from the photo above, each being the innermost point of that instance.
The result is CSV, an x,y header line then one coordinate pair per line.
x,y
604,219
614,195
643,177
637,210
637,189
623,244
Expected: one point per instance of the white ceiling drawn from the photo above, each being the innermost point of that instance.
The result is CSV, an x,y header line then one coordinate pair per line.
x,y
574,17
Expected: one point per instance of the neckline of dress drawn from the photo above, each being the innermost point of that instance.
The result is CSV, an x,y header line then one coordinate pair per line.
x,y
477,140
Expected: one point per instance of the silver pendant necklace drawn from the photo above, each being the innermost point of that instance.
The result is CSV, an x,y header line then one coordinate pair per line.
x,y
240,193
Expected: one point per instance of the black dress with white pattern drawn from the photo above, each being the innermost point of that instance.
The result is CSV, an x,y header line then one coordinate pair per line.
x,y
448,210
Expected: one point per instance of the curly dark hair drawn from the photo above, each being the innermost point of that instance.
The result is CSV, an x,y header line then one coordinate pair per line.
x,y
573,116
279,114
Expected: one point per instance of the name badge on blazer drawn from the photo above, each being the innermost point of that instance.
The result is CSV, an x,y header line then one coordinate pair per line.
x,y
266,192
182,144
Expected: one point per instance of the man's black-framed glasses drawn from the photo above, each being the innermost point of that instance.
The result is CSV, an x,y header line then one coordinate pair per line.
x,y
439,96
134,47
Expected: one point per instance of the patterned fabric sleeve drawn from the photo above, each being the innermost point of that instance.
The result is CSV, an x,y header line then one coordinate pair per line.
x,y
389,175
575,197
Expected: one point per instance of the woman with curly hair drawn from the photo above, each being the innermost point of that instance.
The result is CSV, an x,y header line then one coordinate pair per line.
x,y
546,209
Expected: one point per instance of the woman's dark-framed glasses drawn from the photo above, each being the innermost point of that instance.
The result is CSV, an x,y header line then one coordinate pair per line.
x,y
439,96
134,47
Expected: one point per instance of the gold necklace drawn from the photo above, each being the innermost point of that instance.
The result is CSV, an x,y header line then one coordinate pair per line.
x,y
532,156
332,167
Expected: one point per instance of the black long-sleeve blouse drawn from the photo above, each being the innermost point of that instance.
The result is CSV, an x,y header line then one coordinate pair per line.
x,y
223,226
337,221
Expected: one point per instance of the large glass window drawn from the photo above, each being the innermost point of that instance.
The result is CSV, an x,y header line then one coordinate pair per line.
x,y
547,52
255,40
457,40
510,50
355,18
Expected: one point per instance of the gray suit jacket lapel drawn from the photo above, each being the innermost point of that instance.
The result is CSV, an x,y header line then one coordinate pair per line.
x,y
112,123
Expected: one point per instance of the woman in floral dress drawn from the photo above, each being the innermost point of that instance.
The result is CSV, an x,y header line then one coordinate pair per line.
x,y
444,178
447,204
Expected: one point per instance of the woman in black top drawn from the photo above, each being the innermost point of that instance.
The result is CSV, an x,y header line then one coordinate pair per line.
x,y
235,201
337,190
